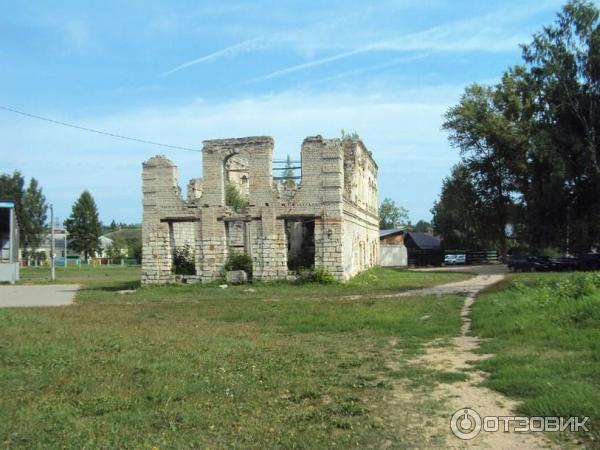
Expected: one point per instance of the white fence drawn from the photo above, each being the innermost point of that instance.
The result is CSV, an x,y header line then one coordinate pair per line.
x,y
393,256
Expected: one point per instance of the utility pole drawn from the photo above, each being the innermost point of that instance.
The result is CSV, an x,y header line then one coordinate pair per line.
x,y
66,253
52,271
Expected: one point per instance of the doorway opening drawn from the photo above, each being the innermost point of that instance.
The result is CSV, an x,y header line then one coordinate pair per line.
x,y
300,236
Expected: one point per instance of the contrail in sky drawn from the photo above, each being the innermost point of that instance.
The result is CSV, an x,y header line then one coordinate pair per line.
x,y
250,44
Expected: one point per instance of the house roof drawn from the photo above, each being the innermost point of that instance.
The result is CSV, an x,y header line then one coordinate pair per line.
x,y
390,232
424,240
105,241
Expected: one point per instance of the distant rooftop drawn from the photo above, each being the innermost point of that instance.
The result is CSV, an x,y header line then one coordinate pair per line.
x,y
390,232
424,240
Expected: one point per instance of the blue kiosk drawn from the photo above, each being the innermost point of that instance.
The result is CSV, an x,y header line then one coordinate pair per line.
x,y
9,242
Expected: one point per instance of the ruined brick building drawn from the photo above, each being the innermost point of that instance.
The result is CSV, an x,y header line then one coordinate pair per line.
x,y
328,219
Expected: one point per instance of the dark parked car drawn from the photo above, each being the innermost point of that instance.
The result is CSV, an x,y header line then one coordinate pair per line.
x,y
566,263
519,263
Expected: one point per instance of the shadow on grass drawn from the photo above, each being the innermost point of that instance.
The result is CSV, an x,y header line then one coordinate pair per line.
x,y
121,286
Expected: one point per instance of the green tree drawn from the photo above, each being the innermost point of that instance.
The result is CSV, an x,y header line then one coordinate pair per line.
x,y
35,211
12,188
455,215
134,250
422,226
390,215
479,128
234,198
564,63
530,145
117,249
83,226
288,173
349,136
30,205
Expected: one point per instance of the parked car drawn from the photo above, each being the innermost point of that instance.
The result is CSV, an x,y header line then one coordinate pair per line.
x,y
519,263
451,260
460,259
566,263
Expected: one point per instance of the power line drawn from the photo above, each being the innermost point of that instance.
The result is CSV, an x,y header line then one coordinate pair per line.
x,y
92,130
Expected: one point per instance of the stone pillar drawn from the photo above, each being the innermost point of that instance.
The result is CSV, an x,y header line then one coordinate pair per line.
x,y
269,253
323,181
213,244
260,178
159,187
213,174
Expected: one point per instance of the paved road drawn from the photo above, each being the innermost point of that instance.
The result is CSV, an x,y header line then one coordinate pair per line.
x,y
39,295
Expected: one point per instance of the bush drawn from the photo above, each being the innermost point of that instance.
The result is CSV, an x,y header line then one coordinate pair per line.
x,y
318,274
234,198
183,261
239,261
135,251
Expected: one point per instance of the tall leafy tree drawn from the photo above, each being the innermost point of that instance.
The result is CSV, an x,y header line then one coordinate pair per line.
x,y
83,226
30,205
530,145
391,215
456,216
480,131
12,188
35,211
564,62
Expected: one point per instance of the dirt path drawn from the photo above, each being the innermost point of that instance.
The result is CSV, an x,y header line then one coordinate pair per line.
x,y
469,393
26,296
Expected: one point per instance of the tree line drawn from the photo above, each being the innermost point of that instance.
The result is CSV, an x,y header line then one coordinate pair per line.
x,y
83,226
529,170
392,216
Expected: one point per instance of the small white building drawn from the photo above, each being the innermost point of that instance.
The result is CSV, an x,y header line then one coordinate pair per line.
x,y
60,240
62,246
9,242
392,251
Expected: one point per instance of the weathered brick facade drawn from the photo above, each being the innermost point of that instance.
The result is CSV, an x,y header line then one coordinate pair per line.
x,y
330,219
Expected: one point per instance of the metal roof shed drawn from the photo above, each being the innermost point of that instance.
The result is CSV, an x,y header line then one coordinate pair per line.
x,y
9,242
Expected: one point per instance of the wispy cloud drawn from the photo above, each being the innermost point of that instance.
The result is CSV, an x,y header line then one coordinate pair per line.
x,y
244,46
374,68
488,33
492,32
394,126
309,64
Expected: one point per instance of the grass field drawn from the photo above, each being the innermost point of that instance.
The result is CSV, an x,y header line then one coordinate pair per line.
x,y
281,365
544,330
100,283
114,277
260,366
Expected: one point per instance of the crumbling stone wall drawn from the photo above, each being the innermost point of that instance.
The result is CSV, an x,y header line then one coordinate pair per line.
x,y
194,189
164,211
361,220
237,170
338,193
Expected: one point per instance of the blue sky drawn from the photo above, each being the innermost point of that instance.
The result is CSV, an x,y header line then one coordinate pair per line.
x,y
180,72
